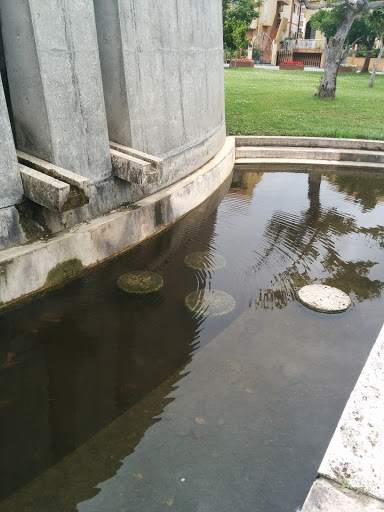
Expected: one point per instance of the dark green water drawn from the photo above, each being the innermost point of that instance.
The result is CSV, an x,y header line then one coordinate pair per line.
x,y
112,403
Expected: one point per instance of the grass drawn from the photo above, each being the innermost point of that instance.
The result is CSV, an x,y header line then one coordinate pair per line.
x,y
274,102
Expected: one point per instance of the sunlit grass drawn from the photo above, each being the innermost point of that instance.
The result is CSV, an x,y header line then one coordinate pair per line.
x,y
274,102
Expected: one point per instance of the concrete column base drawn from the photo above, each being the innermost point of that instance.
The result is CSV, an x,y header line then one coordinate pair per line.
x,y
69,253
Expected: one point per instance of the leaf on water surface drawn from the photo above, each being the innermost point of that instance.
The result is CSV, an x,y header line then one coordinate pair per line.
x,y
139,476
170,502
200,421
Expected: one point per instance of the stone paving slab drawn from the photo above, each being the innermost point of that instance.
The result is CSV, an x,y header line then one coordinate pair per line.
x,y
355,455
325,496
356,451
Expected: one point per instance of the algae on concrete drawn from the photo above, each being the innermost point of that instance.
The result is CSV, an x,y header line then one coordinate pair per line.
x,y
140,282
63,271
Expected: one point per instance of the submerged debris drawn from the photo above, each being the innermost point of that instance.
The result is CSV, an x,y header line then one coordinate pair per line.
x,y
213,303
140,282
204,261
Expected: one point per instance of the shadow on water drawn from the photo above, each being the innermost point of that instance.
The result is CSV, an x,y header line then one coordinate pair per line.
x,y
87,373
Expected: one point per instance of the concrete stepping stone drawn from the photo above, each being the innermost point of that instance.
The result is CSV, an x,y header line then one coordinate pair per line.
x,y
323,298
140,282
210,303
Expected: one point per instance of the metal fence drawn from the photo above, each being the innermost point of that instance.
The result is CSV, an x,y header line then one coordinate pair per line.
x,y
309,59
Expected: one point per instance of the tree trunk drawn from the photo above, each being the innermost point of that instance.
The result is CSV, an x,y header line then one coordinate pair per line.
x,y
365,68
372,80
327,88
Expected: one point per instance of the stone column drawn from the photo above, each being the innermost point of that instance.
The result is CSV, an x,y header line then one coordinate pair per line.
x,y
11,189
162,68
55,82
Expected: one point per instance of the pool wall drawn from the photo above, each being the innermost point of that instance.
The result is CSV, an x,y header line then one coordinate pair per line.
x,y
31,267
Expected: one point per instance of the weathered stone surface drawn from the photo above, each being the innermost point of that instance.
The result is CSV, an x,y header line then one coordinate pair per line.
x,y
44,190
50,192
325,299
355,453
130,168
154,160
306,165
11,232
55,171
310,142
351,155
11,188
91,242
164,89
325,496
53,69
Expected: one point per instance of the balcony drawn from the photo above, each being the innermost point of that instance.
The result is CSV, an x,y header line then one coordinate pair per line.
x,y
304,44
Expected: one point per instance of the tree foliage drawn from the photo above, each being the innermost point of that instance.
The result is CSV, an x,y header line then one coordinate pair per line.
x,y
349,11
237,16
327,21
235,34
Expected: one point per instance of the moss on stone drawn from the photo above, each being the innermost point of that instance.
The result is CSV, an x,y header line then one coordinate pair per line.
x,y
140,282
212,303
202,260
63,271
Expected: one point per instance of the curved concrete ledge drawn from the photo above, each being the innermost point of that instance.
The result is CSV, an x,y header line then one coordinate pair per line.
x,y
34,267
310,142
352,471
309,154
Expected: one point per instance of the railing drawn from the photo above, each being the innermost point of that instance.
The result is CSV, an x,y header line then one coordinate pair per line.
x,y
308,59
304,44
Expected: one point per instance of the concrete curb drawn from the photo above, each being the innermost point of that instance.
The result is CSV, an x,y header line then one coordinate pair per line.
x,y
354,459
309,142
308,154
30,268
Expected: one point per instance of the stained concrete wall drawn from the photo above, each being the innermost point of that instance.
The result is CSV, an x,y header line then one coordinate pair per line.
x,y
11,190
54,76
147,75
162,69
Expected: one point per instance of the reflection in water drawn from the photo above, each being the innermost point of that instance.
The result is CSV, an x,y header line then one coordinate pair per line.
x,y
368,192
76,358
308,239
86,372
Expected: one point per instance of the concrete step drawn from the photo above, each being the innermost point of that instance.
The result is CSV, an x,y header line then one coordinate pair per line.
x,y
310,142
350,155
305,165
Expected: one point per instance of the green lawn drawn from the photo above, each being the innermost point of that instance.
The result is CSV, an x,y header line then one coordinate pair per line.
x,y
274,102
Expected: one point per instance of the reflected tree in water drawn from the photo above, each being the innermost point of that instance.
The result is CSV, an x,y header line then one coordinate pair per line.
x,y
366,191
307,243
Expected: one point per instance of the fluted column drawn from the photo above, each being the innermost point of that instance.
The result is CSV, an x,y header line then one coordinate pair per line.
x,y
11,189
55,83
162,68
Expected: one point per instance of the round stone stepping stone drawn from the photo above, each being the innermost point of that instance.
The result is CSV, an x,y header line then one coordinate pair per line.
x,y
323,298
212,303
202,260
140,282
